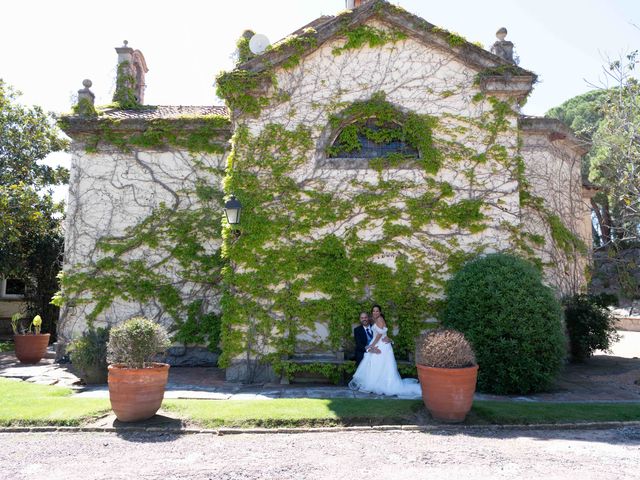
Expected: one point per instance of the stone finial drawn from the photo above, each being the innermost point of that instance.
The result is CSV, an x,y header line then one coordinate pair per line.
x,y
503,48
86,99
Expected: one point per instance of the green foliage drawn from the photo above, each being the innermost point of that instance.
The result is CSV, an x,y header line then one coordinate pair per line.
x,y
582,113
381,122
135,342
512,320
30,221
610,119
241,90
198,328
590,324
335,372
125,95
297,45
243,51
362,35
15,322
498,71
85,107
164,133
89,352
27,135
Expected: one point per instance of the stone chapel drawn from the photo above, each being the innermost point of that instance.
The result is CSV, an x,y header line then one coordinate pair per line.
x,y
372,153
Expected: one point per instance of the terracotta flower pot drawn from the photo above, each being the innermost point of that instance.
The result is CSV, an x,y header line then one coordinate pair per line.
x,y
448,392
136,393
31,348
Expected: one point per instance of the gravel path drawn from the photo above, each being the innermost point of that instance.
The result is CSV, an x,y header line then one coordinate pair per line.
x,y
481,454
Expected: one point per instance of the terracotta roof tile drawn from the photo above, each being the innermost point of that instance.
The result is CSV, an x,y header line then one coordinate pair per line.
x,y
151,112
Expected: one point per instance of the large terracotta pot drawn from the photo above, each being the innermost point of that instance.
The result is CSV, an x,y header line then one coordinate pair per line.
x,y
31,348
136,393
448,392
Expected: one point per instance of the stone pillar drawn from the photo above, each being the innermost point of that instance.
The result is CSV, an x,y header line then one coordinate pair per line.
x,y
125,93
86,99
503,48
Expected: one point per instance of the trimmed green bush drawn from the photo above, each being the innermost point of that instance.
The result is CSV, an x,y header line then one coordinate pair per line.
x,y
512,320
89,355
136,342
590,324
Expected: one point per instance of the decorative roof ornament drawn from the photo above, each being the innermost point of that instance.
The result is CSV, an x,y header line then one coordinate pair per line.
x,y
503,48
86,99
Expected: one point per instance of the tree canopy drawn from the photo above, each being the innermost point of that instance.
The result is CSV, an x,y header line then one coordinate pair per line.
x,y
609,118
30,219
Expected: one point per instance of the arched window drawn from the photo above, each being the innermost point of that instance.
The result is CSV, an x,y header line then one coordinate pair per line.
x,y
372,138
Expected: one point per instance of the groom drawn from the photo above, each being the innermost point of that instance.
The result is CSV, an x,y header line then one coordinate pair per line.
x,y
363,336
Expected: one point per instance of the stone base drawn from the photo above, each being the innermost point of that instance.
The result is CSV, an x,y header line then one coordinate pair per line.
x,y
244,371
191,357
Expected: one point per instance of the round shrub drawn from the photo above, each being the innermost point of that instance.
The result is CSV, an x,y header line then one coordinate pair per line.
x,y
590,324
136,342
512,320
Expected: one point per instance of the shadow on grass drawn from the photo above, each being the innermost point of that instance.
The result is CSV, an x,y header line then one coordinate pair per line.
x,y
137,431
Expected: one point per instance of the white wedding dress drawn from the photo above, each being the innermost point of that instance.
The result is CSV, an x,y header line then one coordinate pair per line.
x,y
378,372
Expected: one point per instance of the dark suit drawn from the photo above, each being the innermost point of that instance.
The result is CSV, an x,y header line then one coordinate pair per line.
x,y
360,336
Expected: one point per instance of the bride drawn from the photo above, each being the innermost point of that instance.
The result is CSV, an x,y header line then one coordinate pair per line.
x,y
378,371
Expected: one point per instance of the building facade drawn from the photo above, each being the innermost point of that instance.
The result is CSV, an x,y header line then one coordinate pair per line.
x,y
373,154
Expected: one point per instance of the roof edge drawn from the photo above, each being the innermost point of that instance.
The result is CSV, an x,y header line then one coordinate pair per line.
x,y
387,13
555,130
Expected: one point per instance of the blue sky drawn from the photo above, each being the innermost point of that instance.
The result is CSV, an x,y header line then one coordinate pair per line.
x,y
48,47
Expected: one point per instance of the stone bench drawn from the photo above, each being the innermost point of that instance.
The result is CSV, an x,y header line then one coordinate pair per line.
x,y
309,368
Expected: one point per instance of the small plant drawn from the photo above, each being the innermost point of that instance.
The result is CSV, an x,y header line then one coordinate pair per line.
x,y
590,325
89,354
36,323
444,348
15,323
136,342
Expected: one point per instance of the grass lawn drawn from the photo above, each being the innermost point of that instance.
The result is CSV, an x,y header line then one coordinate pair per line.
x,y
523,413
296,412
314,412
23,403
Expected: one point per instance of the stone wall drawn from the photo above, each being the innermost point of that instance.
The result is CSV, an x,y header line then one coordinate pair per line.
x,y
112,192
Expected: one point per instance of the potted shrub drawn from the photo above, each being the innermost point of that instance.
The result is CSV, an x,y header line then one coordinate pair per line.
x,y
30,344
89,355
448,371
136,383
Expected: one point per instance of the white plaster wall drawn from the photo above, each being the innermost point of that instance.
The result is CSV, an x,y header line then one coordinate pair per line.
x,y
111,191
552,169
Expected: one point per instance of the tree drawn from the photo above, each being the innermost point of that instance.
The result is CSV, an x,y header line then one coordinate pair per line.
x,y
30,220
615,157
609,118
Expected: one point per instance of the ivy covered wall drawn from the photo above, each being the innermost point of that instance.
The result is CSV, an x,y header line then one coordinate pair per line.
x,y
322,237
